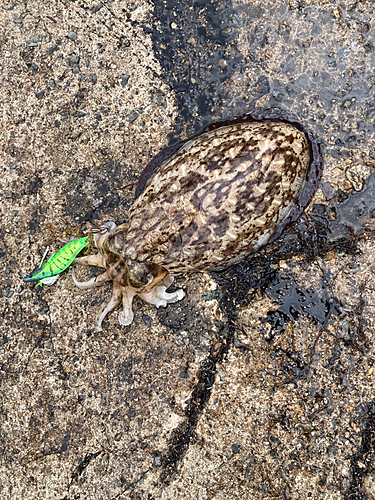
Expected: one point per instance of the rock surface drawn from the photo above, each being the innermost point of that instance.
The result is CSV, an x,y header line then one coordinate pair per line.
x,y
260,383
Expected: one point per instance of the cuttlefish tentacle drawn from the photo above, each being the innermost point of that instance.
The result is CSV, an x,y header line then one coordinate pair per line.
x,y
91,260
156,296
95,281
165,298
159,297
115,300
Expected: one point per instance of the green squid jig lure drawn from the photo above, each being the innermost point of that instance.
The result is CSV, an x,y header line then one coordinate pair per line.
x,y
49,273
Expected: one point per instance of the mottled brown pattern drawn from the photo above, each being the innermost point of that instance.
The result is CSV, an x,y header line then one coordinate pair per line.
x,y
218,198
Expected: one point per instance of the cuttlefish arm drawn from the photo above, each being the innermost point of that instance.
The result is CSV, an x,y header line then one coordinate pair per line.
x,y
155,295
154,291
107,308
90,260
126,316
95,281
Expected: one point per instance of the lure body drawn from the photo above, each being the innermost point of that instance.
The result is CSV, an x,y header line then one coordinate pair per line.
x,y
48,273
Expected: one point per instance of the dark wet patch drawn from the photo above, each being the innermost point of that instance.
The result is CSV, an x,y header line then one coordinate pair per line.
x,y
105,192
197,49
259,273
181,317
362,462
294,301
33,186
36,219
182,435
176,317
356,214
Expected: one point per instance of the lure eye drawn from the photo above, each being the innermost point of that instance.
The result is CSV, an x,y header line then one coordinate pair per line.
x,y
34,276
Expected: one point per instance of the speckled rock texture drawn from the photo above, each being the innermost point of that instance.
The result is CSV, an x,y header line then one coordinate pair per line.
x,y
260,383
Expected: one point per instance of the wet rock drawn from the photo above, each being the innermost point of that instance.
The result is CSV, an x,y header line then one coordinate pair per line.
x,y
73,61
34,41
259,383
147,320
72,35
50,50
124,80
